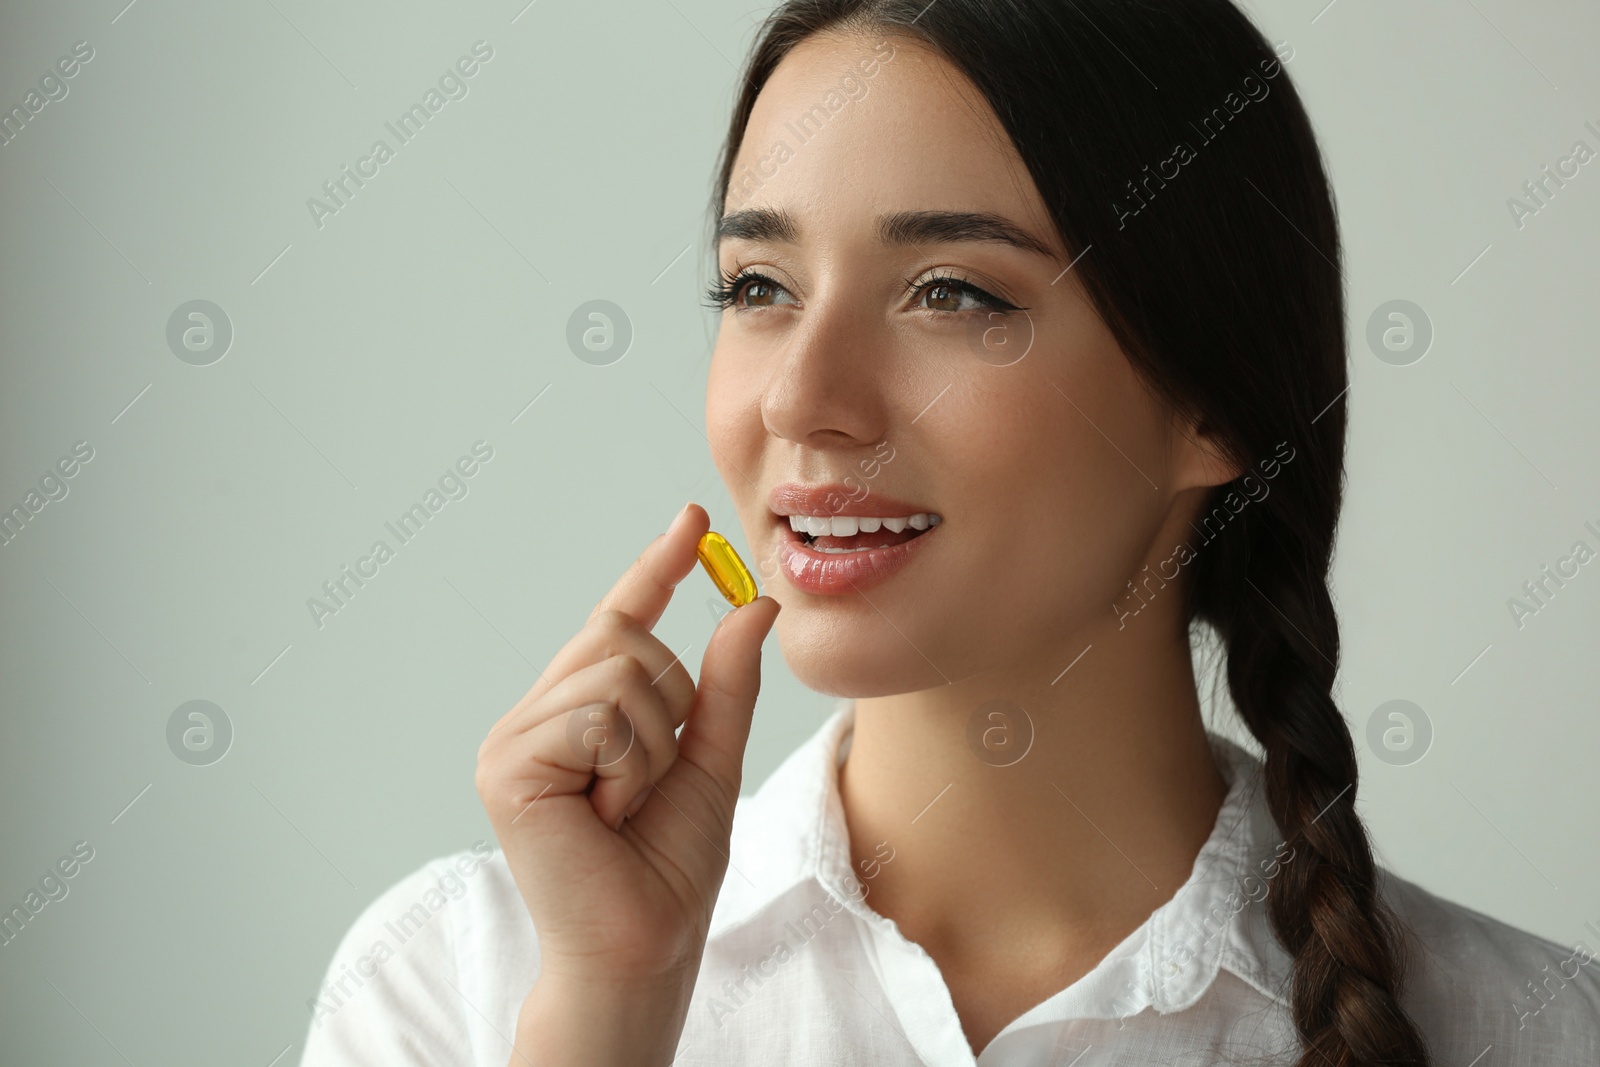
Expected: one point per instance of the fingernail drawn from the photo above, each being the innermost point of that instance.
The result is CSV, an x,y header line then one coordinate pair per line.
x,y
638,802
678,518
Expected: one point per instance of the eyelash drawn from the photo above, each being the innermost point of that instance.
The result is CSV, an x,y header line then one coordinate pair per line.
x,y
725,294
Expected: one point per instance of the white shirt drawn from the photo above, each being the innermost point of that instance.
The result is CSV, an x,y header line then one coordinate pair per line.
x,y
799,970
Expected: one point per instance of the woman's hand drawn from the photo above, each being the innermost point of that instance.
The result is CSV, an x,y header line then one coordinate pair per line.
x,y
615,829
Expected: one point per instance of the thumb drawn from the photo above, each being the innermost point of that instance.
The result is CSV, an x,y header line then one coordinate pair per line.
x,y
718,726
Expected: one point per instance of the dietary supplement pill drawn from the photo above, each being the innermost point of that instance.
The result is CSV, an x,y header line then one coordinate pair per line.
x,y
727,570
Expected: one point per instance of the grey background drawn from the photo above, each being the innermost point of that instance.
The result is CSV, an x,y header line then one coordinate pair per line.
x,y
369,354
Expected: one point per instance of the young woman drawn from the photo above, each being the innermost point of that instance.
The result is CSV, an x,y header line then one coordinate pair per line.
x,y
1031,366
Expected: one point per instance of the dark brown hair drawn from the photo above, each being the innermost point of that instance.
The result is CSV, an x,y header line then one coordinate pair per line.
x,y
1216,266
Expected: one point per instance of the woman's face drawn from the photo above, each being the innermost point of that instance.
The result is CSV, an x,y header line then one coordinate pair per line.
x,y
858,381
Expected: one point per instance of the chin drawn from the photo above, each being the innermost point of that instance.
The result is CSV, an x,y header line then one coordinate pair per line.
x,y
864,658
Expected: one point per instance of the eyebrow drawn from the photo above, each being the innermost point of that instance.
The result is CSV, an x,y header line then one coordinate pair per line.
x,y
899,228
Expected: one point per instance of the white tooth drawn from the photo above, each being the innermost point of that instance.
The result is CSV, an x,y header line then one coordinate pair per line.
x,y
933,520
817,525
894,525
869,525
919,521
797,523
844,526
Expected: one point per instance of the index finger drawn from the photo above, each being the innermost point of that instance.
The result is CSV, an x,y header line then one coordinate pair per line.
x,y
646,587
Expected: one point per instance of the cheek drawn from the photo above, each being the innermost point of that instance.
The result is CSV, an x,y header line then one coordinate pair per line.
x,y
733,416
736,435
1077,563
1061,514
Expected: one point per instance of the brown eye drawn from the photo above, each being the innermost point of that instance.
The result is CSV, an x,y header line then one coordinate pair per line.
x,y
943,297
947,295
745,291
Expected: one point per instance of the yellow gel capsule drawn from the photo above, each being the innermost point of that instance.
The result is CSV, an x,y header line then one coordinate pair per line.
x,y
727,570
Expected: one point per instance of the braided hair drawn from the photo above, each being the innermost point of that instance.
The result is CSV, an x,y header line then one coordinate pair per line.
x,y
1180,167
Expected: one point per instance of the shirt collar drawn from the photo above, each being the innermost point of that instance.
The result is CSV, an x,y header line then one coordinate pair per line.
x,y
793,830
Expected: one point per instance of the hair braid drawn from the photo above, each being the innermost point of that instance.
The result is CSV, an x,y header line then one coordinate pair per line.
x,y
1282,637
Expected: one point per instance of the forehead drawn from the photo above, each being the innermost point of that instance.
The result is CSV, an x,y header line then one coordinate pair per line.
x,y
850,127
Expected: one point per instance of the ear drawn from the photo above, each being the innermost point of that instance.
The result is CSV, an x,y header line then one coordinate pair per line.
x,y
1199,458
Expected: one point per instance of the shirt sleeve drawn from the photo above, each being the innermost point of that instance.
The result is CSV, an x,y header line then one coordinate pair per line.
x,y
1481,983
391,995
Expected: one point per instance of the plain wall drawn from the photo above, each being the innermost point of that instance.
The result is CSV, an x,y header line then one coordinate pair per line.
x,y
371,351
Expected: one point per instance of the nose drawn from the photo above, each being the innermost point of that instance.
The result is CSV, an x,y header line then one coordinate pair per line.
x,y
826,389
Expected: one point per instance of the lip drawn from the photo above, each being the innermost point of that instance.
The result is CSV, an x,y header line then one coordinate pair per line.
x,y
835,574
792,498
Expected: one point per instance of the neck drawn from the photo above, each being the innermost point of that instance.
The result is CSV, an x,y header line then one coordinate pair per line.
x,y
1079,840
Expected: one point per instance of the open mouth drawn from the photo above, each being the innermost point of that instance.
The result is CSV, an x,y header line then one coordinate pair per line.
x,y
843,534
